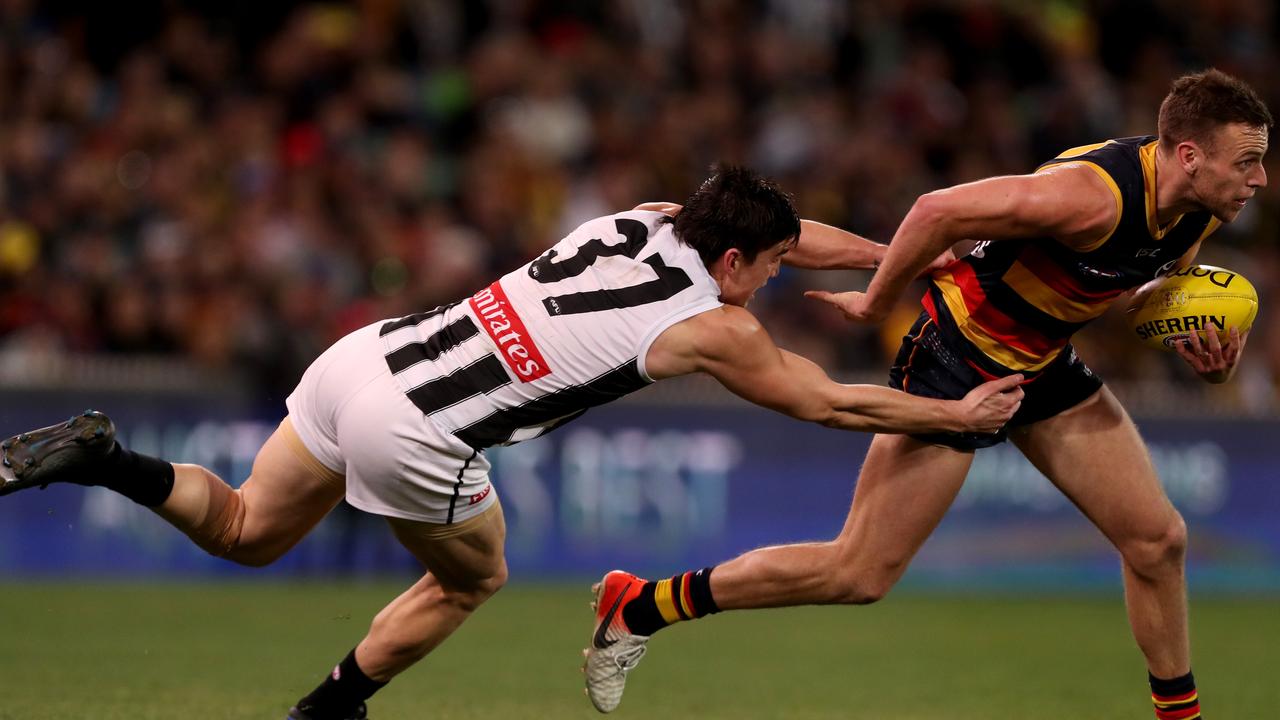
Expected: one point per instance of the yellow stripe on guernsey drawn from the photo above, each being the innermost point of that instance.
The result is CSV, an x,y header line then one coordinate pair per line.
x,y
1010,357
1067,158
1147,156
1081,150
1045,298
1214,224
666,603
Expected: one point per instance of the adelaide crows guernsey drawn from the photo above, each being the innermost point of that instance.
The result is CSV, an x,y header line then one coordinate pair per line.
x,y
566,332
1014,304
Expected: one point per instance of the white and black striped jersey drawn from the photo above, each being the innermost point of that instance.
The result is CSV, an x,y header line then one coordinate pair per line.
x,y
564,333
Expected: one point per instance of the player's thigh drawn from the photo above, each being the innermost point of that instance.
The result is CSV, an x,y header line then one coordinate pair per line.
x,y
287,493
464,557
904,489
1095,456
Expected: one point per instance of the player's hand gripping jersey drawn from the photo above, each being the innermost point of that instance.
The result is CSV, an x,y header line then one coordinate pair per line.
x,y
566,332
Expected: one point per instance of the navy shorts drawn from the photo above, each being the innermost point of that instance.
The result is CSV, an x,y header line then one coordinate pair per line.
x,y
930,365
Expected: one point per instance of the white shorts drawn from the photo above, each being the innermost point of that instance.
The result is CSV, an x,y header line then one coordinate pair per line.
x,y
355,419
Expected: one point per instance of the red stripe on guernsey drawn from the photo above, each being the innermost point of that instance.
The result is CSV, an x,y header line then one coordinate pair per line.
x,y
507,331
1191,712
994,323
1050,273
929,307
985,375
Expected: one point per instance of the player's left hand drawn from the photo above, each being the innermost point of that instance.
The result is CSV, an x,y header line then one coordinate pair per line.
x,y
1212,360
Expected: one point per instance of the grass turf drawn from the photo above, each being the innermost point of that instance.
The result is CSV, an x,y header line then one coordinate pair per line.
x,y
211,651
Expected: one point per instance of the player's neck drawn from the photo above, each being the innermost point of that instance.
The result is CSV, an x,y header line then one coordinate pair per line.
x,y
1174,193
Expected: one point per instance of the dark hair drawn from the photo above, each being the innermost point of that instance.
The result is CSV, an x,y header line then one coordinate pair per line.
x,y
735,208
1200,103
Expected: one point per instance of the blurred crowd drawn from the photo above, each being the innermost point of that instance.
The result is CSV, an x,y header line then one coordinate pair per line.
x,y
241,183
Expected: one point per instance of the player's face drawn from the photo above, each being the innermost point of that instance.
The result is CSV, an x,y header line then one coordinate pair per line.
x,y
741,284
1231,170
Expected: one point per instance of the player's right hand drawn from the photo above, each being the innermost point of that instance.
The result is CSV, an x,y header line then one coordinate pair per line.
x,y
990,405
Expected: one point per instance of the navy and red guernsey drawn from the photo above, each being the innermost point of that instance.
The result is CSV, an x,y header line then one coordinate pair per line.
x,y
1013,305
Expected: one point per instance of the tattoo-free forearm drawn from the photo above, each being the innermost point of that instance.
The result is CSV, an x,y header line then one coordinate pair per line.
x,y
824,247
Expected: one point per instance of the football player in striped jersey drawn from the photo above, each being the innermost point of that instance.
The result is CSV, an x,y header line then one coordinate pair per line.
x,y
395,417
1056,247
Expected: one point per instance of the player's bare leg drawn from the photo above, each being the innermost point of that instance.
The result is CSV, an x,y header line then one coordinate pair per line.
x,y
905,488
903,491
286,494
1094,454
465,567
463,572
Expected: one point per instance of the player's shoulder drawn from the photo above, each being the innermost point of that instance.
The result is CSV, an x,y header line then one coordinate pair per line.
x,y
722,329
1117,155
630,223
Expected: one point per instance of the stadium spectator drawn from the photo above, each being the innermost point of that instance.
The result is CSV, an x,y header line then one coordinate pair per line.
x,y
309,167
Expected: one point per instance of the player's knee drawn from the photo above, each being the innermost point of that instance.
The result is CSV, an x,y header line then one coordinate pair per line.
x,y
486,587
855,585
219,532
472,595
1159,551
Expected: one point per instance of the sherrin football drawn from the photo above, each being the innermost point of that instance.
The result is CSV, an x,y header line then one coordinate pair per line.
x,y
1168,309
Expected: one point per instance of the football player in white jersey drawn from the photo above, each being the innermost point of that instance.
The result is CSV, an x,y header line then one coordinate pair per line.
x,y
395,416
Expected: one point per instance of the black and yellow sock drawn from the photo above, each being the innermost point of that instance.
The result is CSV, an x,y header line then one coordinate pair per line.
x,y
1175,699
661,603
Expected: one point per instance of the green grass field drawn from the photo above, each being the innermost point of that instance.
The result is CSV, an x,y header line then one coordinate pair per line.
x,y
107,652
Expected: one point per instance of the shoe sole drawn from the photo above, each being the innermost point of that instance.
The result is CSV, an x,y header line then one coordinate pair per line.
x,y
30,455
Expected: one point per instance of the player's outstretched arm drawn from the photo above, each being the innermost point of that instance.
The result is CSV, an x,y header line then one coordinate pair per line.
x,y
1070,203
825,247
730,345
821,246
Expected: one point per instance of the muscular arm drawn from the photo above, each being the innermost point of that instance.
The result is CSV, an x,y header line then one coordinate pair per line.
x,y
1070,203
730,345
824,247
821,246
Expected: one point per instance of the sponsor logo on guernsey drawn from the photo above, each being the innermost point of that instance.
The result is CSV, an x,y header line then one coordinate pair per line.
x,y
481,495
507,331
1098,272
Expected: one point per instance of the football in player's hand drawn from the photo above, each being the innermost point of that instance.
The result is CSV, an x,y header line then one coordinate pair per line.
x,y
1167,310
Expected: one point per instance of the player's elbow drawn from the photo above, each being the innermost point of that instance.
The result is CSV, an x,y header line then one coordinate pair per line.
x,y
862,586
826,416
929,210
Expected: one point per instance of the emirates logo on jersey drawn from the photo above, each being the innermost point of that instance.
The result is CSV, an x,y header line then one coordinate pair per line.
x,y
508,332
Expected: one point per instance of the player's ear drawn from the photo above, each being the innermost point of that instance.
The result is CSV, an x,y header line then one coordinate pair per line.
x,y
1189,156
732,259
